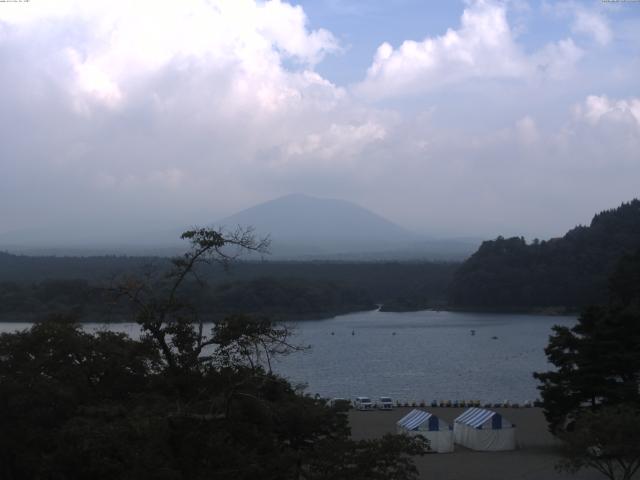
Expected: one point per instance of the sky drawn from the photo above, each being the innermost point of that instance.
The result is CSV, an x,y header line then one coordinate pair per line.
x,y
451,118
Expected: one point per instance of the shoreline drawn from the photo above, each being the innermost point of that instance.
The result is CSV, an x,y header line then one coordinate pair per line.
x,y
30,318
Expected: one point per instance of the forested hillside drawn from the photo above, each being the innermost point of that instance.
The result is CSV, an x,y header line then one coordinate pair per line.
x,y
35,285
280,298
568,272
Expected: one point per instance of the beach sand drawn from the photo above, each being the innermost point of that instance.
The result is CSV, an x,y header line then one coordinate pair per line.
x,y
534,459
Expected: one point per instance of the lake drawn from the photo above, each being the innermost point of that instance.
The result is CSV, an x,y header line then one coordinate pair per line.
x,y
415,356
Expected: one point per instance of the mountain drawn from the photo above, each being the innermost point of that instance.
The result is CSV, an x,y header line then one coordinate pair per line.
x,y
301,228
568,272
305,225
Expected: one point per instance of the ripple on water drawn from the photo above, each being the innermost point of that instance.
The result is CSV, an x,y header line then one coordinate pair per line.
x,y
432,355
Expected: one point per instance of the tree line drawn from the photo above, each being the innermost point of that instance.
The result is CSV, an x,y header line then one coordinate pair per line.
x,y
565,273
295,290
557,275
283,298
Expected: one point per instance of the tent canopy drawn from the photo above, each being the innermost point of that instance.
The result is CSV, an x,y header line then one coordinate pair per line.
x,y
419,419
438,433
480,418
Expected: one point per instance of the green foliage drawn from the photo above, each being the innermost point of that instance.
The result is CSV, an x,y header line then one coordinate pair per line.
x,y
566,273
55,375
284,298
181,403
242,340
387,458
79,405
286,290
288,297
51,295
598,360
607,440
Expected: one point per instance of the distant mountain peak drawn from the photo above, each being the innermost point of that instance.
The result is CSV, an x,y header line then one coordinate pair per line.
x,y
326,223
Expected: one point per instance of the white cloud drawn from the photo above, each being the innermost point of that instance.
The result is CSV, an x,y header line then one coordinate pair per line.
x,y
527,173
122,42
220,65
527,130
484,46
167,97
593,24
337,144
135,112
596,109
557,60
586,20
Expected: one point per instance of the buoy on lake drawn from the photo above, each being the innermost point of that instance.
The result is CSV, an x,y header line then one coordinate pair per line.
x,y
473,332
494,338
393,333
333,333
353,332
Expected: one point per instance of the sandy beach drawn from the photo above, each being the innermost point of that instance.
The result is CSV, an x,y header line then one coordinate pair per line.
x,y
534,459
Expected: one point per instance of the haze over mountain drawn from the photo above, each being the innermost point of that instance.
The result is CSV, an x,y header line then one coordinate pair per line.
x,y
152,120
300,227
302,218
303,224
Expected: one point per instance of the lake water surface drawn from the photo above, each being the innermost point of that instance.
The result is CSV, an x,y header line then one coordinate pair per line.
x,y
414,356
432,355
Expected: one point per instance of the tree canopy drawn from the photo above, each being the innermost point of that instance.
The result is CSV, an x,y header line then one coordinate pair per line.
x,y
598,360
565,273
607,440
180,403
592,399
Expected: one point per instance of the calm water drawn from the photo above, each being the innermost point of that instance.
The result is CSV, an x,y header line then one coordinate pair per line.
x,y
431,356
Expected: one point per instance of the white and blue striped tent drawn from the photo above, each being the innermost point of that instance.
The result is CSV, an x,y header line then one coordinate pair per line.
x,y
438,432
485,430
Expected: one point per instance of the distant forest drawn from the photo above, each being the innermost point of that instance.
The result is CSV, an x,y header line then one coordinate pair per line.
x,y
561,274
31,286
507,274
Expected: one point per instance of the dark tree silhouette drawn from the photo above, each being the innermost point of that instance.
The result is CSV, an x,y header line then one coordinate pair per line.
x,y
598,360
180,403
592,399
607,440
566,273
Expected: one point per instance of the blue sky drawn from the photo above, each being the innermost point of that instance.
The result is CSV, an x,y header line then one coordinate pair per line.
x,y
481,117
362,25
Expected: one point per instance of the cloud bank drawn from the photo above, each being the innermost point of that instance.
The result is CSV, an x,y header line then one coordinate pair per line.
x,y
484,46
124,115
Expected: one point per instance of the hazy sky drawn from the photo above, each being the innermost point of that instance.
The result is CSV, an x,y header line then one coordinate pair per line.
x,y
451,118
